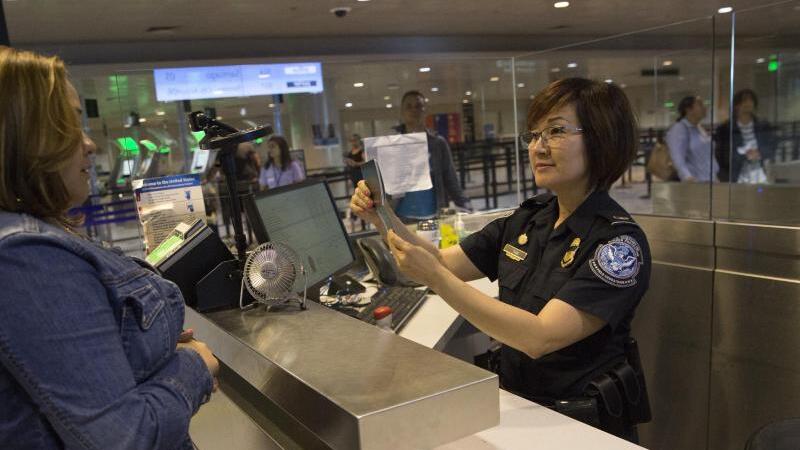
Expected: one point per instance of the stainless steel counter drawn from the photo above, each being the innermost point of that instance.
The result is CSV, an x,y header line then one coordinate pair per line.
x,y
350,384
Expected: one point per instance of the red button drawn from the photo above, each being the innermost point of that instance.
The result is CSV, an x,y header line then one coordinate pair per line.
x,y
381,312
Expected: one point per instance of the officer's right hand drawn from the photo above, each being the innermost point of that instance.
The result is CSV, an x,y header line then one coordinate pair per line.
x,y
362,205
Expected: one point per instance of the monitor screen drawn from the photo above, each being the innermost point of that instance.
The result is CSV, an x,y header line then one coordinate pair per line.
x,y
304,217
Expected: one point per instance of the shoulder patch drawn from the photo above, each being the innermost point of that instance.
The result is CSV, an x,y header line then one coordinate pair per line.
x,y
617,262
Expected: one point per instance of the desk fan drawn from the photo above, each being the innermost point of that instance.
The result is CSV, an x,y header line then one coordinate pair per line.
x,y
269,275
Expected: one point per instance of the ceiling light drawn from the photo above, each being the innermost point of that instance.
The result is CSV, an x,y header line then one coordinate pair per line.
x,y
666,63
761,60
389,105
386,97
623,85
434,89
348,105
426,99
520,85
143,120
392,87
465,101
572,65
560,4
358,84
271,105
468,93
160,113
243,112
424,69
532,96
609,80
494,79
725,10
363,0
555,70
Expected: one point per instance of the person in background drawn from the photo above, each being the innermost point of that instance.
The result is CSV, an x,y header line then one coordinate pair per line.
x,y
753,142
92,353
247,163
354,158
425,204
280,169
572,268
690,145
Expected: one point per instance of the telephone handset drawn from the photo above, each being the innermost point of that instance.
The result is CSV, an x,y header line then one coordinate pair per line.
x,y
381,262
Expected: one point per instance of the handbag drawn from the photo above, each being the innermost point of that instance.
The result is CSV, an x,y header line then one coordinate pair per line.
x,y
660,162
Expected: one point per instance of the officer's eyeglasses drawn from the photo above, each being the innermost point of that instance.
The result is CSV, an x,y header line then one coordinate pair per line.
x,y
548,135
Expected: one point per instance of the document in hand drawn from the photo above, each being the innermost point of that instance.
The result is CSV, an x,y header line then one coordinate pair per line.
x,y
403,161
372,176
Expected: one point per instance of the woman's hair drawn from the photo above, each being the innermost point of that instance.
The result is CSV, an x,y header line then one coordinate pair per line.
x,y
684,105
39,132
741,96
286,158
413,93
610,131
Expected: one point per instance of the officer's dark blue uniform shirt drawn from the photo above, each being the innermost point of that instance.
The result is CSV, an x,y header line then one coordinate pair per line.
x,y
597,260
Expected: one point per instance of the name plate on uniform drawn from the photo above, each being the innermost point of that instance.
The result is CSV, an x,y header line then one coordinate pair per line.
x,y
514,253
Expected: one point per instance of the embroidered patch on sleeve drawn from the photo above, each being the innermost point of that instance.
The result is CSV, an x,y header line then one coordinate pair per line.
x,y
617,262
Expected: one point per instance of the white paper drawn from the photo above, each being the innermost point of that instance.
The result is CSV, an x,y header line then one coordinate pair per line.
x,y
403,161
164,202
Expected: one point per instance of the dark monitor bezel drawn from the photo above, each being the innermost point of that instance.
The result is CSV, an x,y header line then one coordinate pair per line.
x,y
260,231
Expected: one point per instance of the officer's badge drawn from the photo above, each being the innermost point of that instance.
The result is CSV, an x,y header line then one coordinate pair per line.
x,y
569,256
522,239
617,262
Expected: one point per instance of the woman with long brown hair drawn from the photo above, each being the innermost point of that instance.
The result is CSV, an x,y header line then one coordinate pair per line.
x,y
92,354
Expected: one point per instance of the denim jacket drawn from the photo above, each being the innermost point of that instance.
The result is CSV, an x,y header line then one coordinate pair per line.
x,y
88,355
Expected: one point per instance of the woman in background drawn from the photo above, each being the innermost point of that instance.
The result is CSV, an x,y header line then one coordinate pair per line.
x,y
280,169
753,142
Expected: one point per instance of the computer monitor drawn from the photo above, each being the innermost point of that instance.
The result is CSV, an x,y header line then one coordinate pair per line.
x,y
304,217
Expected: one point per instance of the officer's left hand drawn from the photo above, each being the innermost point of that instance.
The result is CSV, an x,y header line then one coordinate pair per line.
x,y
413,260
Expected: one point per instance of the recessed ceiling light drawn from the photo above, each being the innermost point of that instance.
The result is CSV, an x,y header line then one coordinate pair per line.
x,y
468,93
386,97
271,105
160,113
389,105
434,89
465,101
609,80
560,4
358,84
555,70
520,85
424,69
348,105
392,87
494,79
143,120
572,65
363,0
532,96
725,10
426,100
243,112
666,63
761,60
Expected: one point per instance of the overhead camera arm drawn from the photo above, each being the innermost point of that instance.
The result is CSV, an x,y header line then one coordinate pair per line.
x,y
222,136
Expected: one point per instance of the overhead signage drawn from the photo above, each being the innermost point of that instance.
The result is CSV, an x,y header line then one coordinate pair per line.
x,y
196,83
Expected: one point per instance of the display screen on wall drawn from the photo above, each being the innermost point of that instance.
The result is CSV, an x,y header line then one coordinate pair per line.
x,y
195,83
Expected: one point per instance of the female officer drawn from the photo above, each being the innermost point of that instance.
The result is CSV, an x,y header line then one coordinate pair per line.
x,y
572,267
91,350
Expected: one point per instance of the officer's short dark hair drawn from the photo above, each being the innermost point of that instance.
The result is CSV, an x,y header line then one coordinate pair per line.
x,y
610,131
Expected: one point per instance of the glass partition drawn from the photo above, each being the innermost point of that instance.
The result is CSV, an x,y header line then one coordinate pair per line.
x,y
758,143
657,68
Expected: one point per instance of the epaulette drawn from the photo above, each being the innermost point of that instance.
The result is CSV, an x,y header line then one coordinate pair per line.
x,y
537,201
616,218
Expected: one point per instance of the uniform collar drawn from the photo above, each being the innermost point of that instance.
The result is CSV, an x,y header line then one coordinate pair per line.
x,y
582,219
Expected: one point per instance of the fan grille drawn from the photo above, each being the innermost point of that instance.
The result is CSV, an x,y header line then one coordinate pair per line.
x,y
270,272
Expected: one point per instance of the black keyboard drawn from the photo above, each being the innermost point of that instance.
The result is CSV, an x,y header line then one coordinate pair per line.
x,y
403,301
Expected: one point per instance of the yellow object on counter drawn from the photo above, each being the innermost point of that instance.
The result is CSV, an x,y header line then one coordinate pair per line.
x,y
449,235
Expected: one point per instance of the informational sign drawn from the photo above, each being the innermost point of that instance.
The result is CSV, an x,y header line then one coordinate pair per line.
x,y
165,202
190,83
